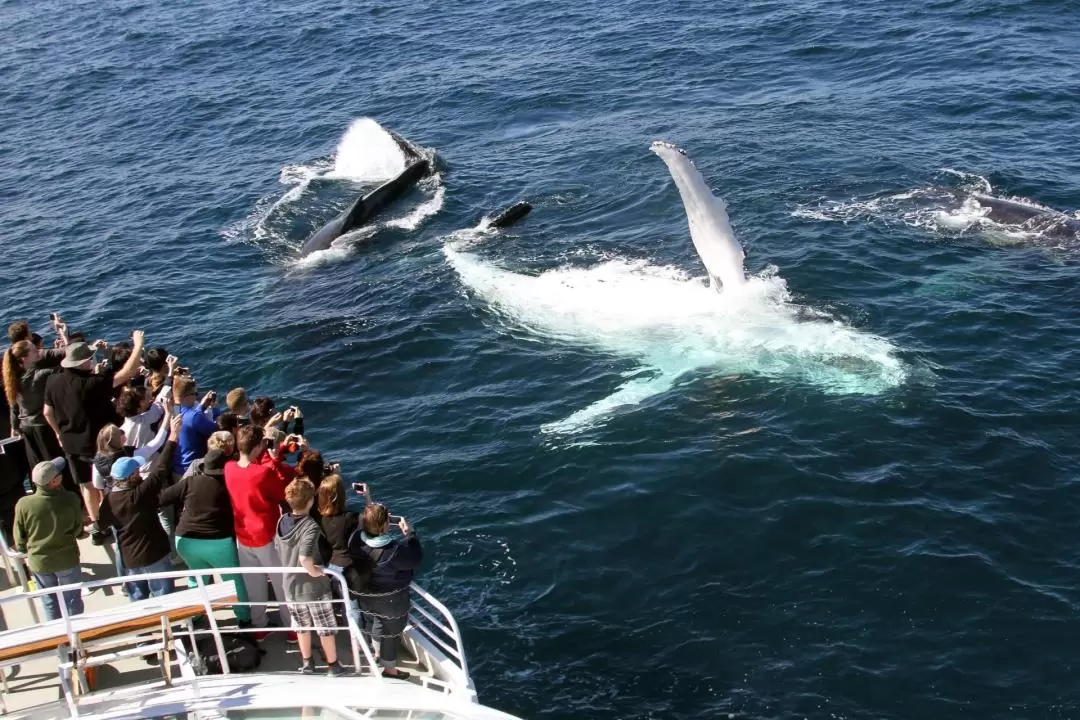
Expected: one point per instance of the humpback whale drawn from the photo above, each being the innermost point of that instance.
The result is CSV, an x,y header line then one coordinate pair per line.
x,y
664,327
511,215
1031,216
368,206
974,207
707,215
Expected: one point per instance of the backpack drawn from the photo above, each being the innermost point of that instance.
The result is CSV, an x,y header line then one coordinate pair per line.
x,y
241,651
363,563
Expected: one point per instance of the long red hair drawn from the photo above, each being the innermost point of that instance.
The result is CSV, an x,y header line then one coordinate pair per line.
x,y
14,357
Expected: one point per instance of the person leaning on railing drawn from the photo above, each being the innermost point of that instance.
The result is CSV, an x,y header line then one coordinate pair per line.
x,y
296,539
385,601
47,527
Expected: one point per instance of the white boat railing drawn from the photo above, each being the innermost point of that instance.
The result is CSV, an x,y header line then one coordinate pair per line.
x,y
15,568
432,631
435,624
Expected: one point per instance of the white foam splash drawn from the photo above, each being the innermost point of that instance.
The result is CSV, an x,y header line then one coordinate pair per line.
x,y
674,325
366,153
425,209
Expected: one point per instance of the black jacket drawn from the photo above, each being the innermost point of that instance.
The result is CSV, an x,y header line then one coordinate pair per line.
x,y
337,529
208,512
31,391
395,565
134,511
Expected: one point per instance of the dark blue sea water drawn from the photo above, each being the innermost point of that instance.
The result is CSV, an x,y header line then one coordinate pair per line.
x,y
758,539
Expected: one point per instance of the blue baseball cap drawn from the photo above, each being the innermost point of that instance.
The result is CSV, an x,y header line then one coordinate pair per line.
x,y
124,468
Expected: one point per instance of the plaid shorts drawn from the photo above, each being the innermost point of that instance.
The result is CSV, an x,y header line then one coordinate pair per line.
x,y
317,614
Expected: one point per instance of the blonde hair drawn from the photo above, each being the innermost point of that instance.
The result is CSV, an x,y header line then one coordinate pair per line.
x,y
299,494
375,519
222,440
110,439
331,495
236,399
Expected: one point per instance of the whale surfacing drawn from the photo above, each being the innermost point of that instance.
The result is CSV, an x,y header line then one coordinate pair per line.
x,y
707,215
668,327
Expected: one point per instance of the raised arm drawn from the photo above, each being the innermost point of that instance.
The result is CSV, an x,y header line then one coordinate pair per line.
x,y
161,471
148,450
132,365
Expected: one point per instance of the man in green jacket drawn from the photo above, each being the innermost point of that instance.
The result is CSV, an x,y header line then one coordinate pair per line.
x,y
47,527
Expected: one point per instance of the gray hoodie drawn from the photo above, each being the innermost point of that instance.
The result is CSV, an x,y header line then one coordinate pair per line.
x,y
298,537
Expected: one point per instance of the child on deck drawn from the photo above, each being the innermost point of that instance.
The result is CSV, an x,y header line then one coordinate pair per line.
x,y
297,542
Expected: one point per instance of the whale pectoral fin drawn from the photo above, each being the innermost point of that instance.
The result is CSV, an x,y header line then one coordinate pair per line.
x,y
631,392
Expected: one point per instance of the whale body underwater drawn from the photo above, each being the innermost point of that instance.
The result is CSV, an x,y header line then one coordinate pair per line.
x,y
671,327
367,207
1047,221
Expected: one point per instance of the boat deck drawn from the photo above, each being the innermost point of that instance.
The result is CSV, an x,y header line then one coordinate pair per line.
x,y
36,681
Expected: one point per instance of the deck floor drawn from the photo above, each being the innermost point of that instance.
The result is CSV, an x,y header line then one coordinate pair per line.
x,y
36,681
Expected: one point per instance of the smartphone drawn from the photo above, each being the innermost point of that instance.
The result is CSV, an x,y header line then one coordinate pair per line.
x,y
395,519
359,488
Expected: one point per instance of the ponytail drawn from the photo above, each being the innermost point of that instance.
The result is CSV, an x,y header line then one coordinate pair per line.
x,y
13,360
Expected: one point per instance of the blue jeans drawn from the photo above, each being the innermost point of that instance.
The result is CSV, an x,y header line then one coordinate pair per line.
x,y
142,589
72,598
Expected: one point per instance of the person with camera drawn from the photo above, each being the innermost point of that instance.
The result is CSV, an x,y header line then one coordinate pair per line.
x,y
78,403
143,412
26,369
256,483
338,524
385,602
132,507
199,422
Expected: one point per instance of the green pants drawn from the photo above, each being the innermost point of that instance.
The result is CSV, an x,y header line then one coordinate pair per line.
x,y
209,554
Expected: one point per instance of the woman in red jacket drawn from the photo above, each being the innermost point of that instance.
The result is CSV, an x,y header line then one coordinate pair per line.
x,y
256,484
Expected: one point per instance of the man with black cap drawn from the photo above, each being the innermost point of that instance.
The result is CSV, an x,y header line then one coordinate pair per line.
x,y
78,403
47,526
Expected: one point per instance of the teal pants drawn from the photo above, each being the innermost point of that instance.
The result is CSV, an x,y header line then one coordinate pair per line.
x,y
210,554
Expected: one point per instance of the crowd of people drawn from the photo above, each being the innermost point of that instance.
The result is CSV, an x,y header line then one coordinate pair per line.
x,y
113,442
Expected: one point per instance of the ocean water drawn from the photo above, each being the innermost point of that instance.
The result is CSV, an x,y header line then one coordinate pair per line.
x,y
851,495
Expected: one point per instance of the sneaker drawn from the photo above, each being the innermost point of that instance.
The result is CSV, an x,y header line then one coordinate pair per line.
x,y
290,638
260,636
335,669
308,666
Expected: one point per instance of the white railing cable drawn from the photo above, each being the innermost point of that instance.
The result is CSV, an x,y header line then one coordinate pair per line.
x,y
15,567
455,633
